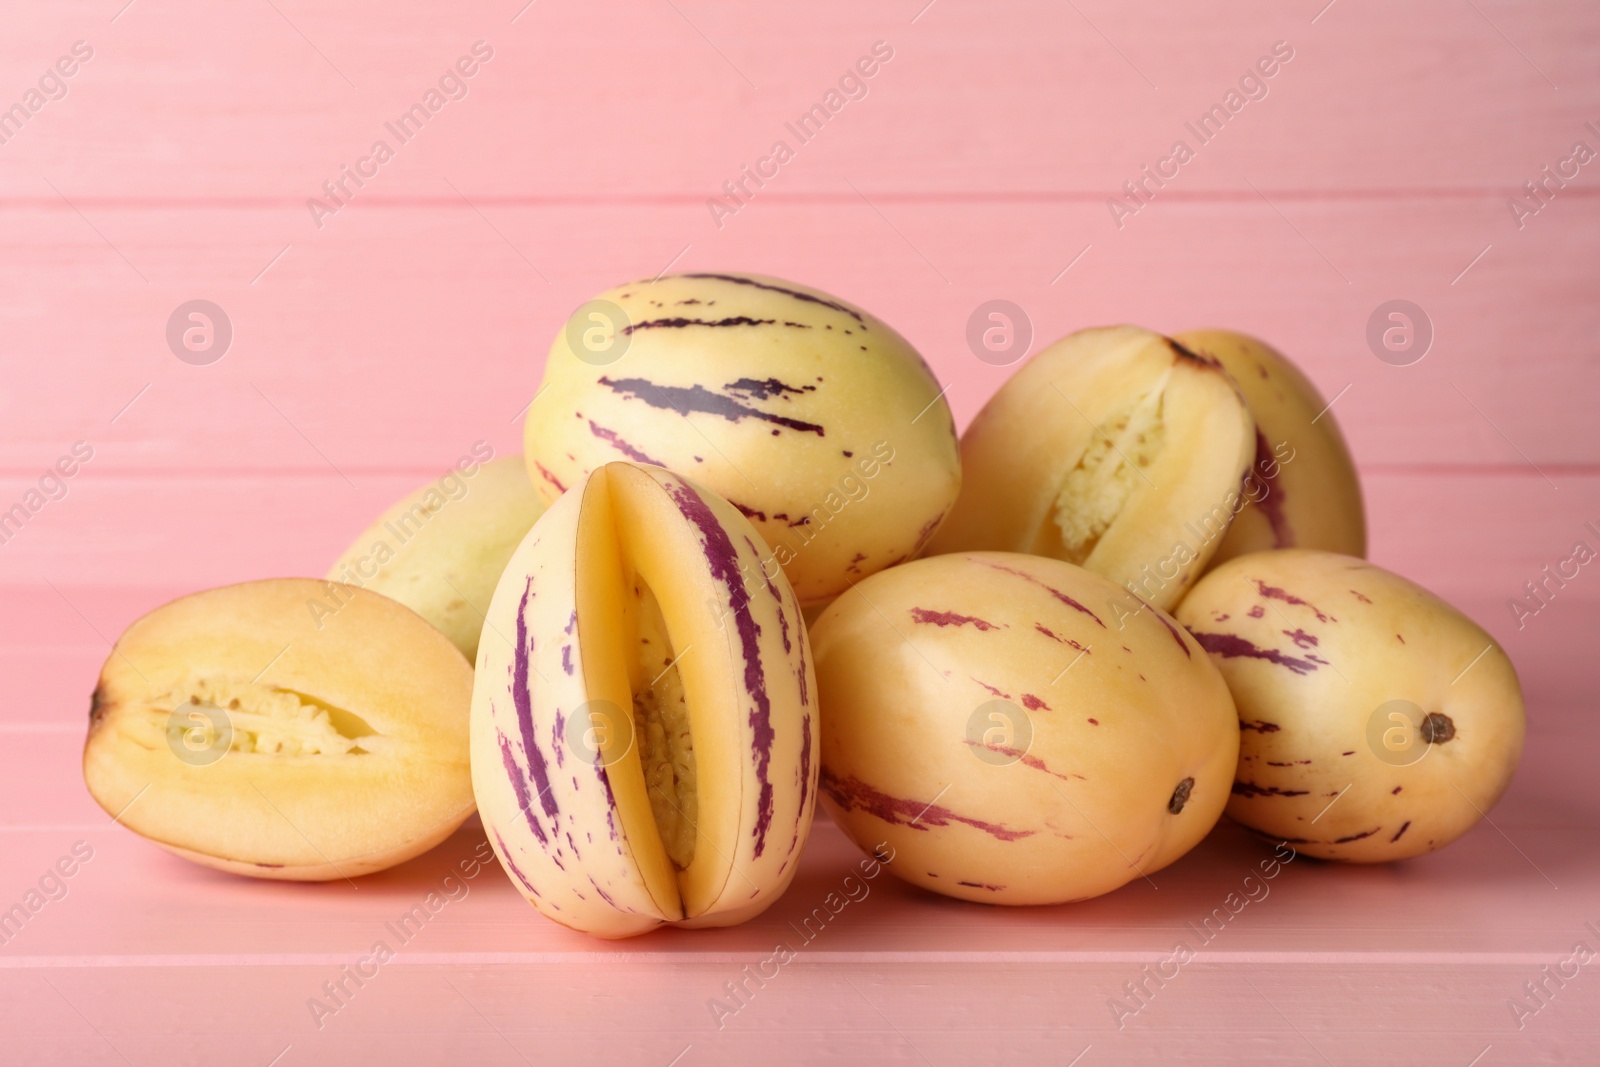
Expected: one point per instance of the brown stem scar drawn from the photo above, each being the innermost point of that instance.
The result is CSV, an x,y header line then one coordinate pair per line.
x,y
1180,796
1437,728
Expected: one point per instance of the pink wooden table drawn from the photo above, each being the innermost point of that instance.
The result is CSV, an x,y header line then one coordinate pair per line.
x,y
376,336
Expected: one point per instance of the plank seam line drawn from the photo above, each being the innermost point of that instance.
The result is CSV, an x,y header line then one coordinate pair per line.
x,y
912,958
697,199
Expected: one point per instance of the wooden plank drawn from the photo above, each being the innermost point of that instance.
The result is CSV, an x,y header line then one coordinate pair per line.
x,y
858,1014
1050,974
1027,97
397,338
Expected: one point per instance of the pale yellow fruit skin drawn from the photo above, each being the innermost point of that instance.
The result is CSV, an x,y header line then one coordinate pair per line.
x,y
577,860
1021,448
1306,725
1085,810
875,481
303,817
1314,499
449,541
323,872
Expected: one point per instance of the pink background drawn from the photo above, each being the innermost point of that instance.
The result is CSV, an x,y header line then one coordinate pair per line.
x,y
372,351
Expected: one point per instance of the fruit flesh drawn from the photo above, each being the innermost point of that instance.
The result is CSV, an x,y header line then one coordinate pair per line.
x,y
265,719
340,748
672,698
818,421
700,717
1007,740
1114,449
1307,493
1097,489
1319,650
662,729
